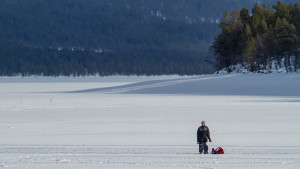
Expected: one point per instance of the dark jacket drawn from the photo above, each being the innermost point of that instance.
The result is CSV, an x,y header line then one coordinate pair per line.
x,y
203,134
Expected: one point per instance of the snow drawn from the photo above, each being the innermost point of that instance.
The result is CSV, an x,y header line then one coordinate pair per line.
x,y
273,67
150,122
228,84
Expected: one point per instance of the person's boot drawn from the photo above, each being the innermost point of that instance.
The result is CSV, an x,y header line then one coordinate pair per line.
x,y
206,152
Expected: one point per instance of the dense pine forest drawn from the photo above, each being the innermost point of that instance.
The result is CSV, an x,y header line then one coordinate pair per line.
x,y
271,35
108,37
27,61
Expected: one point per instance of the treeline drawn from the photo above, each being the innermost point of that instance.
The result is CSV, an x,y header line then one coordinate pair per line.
x,y
141,37
25,61
269,35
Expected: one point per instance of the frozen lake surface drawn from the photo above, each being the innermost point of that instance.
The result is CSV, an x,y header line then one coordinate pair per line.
x,y
150,122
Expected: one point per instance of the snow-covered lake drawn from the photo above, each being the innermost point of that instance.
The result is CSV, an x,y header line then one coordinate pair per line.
x,y
150,122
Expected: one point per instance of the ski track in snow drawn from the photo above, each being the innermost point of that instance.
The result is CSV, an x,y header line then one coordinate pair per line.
x,y
231,84
145,156
150,84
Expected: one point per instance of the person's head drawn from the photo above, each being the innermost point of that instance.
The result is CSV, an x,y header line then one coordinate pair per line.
x,y
203,123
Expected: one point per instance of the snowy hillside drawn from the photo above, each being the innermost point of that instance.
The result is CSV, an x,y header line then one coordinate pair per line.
x,y
150,122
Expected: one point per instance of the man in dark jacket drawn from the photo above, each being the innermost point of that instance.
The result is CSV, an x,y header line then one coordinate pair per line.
x,y
202,136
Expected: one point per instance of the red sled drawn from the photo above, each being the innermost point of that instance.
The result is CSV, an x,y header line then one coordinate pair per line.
x,y
218,150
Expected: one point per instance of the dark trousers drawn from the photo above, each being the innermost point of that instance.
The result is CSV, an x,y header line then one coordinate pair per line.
x,y
203,147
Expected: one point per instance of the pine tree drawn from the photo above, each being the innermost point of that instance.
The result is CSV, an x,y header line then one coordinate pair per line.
x,y
282,10
245,18
256,19
286,40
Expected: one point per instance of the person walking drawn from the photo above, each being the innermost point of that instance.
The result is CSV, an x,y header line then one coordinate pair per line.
x,y
202,136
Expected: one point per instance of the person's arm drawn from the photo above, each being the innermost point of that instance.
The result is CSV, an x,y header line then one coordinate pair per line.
x,y
198,136
208,134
